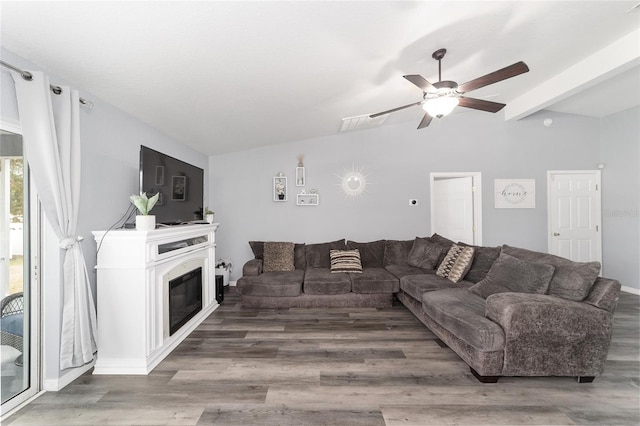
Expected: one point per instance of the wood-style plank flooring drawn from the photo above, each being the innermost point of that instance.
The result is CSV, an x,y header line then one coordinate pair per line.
x,y
339,367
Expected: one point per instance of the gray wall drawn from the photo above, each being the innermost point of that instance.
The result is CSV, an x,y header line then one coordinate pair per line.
x,y
620,152
397,160
111,142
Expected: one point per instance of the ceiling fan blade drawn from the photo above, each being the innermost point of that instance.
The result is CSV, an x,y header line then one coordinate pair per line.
x,y
419,81
378,114
480,104
426,120
494,77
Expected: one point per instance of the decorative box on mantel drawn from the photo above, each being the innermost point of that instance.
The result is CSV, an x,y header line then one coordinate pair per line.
x,y
153,289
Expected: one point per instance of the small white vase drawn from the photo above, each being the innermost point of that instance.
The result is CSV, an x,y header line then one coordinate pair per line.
x,y
209,218
145,222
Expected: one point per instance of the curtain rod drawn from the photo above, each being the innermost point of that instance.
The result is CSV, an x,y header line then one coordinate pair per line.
x,y
55,89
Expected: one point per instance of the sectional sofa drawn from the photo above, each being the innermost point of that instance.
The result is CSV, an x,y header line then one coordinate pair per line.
x,y
506,311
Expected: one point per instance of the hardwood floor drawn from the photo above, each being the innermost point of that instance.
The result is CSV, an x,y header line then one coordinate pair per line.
x,y
339,367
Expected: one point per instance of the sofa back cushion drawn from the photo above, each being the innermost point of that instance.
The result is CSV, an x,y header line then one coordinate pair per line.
x,y
510,274
317,255
371,254
442,241
397,252
278,256
299,262
425,254
483,259
571,280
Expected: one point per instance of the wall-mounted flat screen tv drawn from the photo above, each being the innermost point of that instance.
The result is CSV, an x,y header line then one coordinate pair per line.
x,y
180,184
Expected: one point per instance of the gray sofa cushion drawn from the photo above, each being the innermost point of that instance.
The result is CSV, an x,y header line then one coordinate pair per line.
x,y
374,280
483,259
462,314
272,284
257,247
322,281
571,280
510,274
416,285
604,294
396,252
317,255
403,270
371,254
441,241
425,254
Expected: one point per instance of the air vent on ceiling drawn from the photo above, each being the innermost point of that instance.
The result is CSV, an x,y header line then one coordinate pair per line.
x,y
361,122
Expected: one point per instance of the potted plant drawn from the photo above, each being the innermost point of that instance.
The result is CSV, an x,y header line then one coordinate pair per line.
x,y
144,204
208,215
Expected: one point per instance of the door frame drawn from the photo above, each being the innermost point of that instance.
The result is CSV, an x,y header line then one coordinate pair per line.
x,y
476,178
598,176
34,343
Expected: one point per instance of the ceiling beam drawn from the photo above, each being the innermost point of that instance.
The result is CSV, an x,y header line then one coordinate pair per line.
x,y
619,56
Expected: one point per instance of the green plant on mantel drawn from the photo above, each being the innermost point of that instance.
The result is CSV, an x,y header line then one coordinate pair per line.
x,y
143,203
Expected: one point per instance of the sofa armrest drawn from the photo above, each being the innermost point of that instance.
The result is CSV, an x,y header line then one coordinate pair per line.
x,y
252,268
550,336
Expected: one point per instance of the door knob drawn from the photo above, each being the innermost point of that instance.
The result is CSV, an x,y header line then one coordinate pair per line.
x,y
556,234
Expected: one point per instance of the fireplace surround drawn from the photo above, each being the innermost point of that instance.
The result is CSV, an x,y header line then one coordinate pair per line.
x,y
135,272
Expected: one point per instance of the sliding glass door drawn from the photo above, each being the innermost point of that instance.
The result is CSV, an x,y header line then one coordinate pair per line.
x,y
18,292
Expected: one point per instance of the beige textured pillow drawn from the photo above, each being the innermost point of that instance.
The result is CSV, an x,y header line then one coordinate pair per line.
x,y
278,256
456,263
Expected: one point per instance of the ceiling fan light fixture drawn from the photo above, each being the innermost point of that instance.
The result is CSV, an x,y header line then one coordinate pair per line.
x,y
441,106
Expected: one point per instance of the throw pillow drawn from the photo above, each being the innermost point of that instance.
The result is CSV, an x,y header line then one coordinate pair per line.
x,y
510,274
456,263
345,261
424,254
278,256
572,280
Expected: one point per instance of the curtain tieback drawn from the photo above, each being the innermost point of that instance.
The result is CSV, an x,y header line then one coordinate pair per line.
x,y
69,242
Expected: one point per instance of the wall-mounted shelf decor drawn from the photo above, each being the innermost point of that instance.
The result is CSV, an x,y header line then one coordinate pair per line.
x,y
304,199
300,177
280,188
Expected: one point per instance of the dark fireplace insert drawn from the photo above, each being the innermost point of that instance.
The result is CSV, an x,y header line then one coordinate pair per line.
x,y
185,299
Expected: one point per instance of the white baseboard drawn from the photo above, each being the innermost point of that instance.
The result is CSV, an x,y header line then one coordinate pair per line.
x,y
631,290
54,385
232,283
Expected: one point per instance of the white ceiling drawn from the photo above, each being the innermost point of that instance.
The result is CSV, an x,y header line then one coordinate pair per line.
x,y
227,76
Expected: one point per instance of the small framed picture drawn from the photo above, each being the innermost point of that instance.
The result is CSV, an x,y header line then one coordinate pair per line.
x,y
159,175
178,188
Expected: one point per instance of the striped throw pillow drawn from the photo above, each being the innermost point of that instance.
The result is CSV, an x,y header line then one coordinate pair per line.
x,y
345,261
456,263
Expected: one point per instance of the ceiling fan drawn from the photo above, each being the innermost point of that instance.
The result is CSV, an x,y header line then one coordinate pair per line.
x,y
440,98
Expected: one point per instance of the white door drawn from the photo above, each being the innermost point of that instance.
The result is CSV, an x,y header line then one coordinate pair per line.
x,y
574,214
452,208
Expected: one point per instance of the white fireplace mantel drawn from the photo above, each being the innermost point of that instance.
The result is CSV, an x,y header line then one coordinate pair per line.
x,y
132,267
